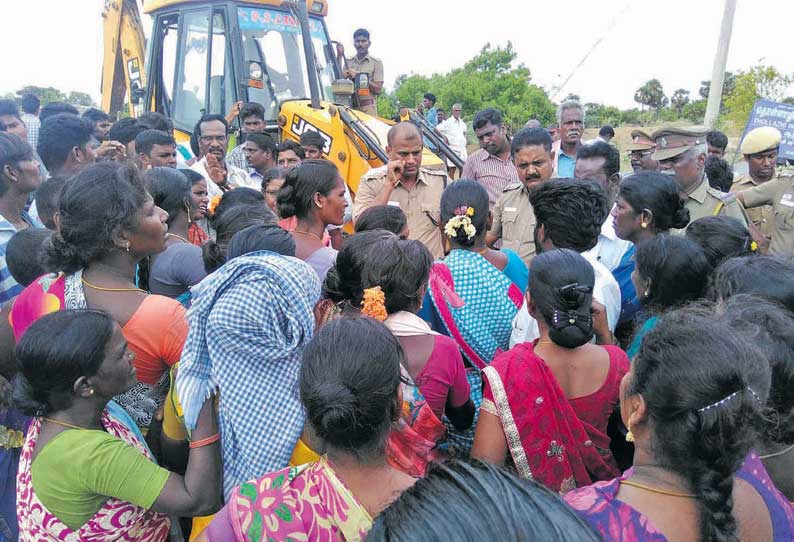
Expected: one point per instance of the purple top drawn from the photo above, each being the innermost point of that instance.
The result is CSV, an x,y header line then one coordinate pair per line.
x,y
618,521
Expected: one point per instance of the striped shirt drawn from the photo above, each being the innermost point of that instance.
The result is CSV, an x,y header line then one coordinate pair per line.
x,y
10,288
32,123
492,172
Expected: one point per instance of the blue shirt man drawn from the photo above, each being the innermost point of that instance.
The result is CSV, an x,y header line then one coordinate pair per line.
x,y
570,117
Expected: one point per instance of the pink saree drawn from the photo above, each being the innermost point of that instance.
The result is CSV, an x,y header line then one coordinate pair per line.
x,y
116,521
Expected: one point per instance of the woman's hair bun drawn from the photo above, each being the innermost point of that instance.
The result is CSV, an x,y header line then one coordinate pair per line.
x,y
285,201
338,412
23,397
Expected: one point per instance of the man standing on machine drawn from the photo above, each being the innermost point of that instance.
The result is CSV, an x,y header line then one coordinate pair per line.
x,y
365,71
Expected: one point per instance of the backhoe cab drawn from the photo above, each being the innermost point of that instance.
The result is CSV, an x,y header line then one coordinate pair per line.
x,y
204,56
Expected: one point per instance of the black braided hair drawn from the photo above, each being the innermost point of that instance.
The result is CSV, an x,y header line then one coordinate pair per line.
x,y
698,379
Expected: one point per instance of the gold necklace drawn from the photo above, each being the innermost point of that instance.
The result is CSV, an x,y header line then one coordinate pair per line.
x,y
659,491
178,237
101,289
70,426
310,234
546,342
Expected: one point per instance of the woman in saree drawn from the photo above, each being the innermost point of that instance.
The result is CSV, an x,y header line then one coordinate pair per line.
x,y
694,403
108,223
434,377
85,472
350,387
475,292
342,289
249,324
546,404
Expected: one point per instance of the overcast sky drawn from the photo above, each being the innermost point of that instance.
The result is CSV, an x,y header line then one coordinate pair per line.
x,y
59,42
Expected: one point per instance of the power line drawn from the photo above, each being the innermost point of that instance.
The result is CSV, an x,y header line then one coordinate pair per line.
x,y
613,21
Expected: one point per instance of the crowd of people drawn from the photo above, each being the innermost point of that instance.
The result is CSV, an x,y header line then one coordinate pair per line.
x,y
229,345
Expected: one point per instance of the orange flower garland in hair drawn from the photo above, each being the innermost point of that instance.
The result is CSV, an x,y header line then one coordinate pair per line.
x,y
374,304
213,204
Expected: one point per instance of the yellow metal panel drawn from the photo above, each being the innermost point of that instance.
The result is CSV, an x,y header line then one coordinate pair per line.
x,y
150,6
124,49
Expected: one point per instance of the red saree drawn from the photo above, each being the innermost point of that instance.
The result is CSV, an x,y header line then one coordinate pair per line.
x,y
548,442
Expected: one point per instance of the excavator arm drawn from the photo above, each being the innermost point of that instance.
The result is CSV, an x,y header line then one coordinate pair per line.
x,y
124,51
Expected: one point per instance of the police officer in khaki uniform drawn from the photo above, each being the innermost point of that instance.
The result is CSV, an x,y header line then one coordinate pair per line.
x,y
759,148
363,63
405,184
513,218
682,152
641,151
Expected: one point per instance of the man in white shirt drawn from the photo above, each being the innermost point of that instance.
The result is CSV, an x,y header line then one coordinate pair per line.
x,y
598,161
569,214
212,133
454,130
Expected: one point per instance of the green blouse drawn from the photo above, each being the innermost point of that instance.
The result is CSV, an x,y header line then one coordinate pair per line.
x,y
78,470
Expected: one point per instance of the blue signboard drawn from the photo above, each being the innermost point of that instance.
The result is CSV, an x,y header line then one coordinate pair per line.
x,y
778,115
274,19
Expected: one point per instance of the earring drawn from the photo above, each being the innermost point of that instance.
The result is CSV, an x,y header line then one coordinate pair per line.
x,y
647,293
629,436
91,391
189,214
127,246
644,225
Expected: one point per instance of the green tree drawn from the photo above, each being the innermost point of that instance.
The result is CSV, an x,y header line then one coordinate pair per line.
x,y
386,106
729,81
490,79
695,111
45,94
81,99
599,114
651,94
758,82
679,99
631,116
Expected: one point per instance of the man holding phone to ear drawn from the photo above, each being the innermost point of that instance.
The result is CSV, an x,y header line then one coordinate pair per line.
x,y
404,183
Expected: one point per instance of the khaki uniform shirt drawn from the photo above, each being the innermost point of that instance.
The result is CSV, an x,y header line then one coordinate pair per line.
x,y
374,68
763,217
779,193
706,201
514,222
421,205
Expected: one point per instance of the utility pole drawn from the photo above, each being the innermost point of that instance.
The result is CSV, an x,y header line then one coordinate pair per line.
x,y
720,60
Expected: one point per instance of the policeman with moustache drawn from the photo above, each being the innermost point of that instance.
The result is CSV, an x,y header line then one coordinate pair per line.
x,y
405,184
365,71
